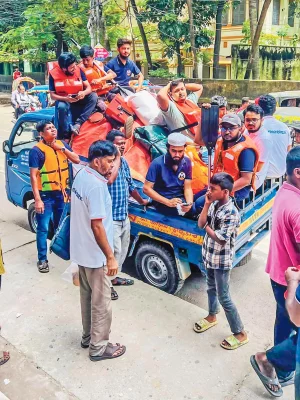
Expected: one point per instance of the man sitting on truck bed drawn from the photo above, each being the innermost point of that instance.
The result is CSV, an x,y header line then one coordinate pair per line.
x,y
237,155
70,89
169,180
179,109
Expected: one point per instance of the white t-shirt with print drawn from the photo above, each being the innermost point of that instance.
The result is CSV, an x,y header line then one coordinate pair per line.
x,y
90,199
281,139
263,142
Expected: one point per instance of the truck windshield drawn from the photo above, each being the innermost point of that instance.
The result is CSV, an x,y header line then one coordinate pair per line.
x,y
25,137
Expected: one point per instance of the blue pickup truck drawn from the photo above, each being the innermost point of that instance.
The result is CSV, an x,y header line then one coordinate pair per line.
x,y
163,248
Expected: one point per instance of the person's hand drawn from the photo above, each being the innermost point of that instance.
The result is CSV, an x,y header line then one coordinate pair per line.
x,y
118,151
292,274
208,199
80,95
174,202
186,209
96,81
39,207
18,106
145,202
138,89
112,266
55,146
206,105
72,99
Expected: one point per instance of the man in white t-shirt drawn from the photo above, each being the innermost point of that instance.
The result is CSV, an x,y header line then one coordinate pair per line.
x,y
254,117
280,135
91,247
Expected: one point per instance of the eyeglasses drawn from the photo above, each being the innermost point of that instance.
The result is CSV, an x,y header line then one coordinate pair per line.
x,y
254,120
230,129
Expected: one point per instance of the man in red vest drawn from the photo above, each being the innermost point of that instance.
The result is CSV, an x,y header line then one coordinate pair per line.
x,y
71,90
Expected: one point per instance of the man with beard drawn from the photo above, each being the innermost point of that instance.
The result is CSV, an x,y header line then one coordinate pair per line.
x,y
169,179
123,66
180,110
70,89
236,154
253,116
120,186
91,247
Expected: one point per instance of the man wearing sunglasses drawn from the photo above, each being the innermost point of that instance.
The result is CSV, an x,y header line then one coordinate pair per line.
x,y
237,155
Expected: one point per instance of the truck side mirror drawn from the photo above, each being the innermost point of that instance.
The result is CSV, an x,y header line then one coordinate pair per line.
x,y
5,147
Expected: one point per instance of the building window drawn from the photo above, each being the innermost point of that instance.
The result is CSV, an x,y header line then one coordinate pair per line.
x,y
222,72
276,12
225,17
291,13
238,13
225,45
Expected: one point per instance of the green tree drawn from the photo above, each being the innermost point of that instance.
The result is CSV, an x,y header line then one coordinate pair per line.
x,y
171,17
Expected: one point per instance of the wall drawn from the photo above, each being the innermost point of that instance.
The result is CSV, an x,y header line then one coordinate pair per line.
x,y
234,90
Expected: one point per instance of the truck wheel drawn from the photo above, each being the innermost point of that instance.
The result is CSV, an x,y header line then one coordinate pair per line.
x,y
32,218
156,265
33,224
245,260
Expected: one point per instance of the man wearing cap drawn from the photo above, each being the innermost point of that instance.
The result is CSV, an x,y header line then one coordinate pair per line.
x,y
169,180
236,154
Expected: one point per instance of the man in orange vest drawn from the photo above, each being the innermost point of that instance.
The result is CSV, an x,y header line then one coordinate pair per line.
x,y
237,155
94,71
71,90
179,109
49,176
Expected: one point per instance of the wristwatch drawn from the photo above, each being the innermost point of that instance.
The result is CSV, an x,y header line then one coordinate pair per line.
x,y
63,149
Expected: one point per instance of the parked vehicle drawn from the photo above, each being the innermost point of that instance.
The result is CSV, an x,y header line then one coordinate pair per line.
x,y
163,248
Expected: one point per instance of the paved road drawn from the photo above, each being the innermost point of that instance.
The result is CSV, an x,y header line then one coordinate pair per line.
x,y
165,360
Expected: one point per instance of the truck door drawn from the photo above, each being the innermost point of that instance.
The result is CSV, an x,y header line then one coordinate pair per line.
x,y
23,138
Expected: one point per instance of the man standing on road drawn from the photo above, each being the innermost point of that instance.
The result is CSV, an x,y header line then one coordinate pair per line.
x,y
91,247
123,66
280,135
71,90
284,252
120,186
253,117
49,176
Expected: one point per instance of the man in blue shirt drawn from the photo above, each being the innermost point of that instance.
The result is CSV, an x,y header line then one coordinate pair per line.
x,y
120,186
123,66
169,179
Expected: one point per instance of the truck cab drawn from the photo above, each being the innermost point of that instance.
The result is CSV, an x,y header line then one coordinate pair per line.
x,y
163,248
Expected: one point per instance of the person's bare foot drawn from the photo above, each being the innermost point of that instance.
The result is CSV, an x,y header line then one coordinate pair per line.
x,y
211,318
267,369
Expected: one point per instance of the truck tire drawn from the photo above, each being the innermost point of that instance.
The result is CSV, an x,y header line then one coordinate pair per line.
x,y
156,265
32,218
32,221
245,260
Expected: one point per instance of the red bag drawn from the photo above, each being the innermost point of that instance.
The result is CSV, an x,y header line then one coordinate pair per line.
x,y
95,128
118,109
139,160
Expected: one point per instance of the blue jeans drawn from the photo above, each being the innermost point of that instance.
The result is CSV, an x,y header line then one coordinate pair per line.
x,y
297,376
54,205
217,281
283,356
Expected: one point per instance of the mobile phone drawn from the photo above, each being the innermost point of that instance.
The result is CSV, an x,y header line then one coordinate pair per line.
x,y
73,96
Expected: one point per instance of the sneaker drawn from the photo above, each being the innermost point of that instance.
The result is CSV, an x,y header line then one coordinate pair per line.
x,y
43,266
128,127
75,129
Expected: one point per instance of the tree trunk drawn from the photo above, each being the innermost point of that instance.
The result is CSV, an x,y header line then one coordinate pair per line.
x,y
143,34
217,46
255,40
59,43
180,68
253,25
91,23
192,35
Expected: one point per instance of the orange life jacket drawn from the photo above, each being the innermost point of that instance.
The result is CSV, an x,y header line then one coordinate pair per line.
x,y
65,84
191,113
199,169
96,72
54,174
228,160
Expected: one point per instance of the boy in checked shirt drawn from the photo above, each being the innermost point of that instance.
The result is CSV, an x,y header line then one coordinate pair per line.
x,y
220,219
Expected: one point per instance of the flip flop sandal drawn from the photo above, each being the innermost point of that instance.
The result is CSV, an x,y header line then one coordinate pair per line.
x,y
43,268
114,294
266,380
75,129
123,282
233,342
5,357
128,127
202,325
109,352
